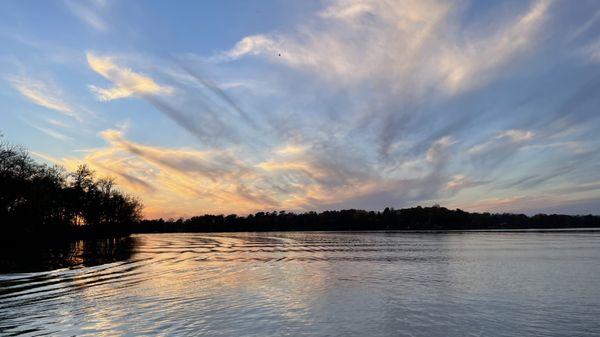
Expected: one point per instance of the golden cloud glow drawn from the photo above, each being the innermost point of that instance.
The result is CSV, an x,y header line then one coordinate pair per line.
x,y
127,82
184,182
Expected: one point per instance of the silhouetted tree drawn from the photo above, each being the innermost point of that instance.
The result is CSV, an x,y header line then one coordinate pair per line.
x,y
38,200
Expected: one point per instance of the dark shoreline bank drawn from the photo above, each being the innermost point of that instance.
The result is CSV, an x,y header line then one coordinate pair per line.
x,y
412,219
409,219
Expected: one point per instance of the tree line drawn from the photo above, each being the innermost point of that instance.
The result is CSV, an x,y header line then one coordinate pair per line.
x,y
415,218
37,200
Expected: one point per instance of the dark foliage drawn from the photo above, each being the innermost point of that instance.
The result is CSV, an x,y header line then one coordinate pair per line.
x,y
38,201
416,218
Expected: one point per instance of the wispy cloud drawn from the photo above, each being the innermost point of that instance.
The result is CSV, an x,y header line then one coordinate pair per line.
x,y
182,93
418,41
465,64
592,51
435,151
177,180
460,182
296,177
127,82
505,140
43,94
89,13
347,10
586,26
56,122
533,204
395,61
537,179
54,134
516,136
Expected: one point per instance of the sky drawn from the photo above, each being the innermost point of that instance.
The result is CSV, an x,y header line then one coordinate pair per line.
x,y
202,107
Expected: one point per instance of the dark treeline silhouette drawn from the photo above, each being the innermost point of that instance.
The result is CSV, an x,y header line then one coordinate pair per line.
x,y
416,218
39,201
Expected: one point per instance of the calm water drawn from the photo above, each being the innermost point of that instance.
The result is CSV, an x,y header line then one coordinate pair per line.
x,y
313,284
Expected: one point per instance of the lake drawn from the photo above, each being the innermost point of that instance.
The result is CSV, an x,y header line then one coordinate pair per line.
x,y
310,284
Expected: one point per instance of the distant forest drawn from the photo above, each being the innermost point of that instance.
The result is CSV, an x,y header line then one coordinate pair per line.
x,y
415,218
39,201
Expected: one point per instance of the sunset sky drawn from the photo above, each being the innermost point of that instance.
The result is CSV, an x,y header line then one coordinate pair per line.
x,y
237,106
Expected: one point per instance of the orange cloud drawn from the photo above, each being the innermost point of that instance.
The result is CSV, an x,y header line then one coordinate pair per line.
x,y
127,82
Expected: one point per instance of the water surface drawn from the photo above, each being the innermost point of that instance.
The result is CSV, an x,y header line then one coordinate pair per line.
x,y
314,284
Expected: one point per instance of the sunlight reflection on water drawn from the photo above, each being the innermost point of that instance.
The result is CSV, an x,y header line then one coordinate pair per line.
x,y
317,284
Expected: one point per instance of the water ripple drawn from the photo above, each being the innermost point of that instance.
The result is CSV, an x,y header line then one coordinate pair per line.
x,y
311,284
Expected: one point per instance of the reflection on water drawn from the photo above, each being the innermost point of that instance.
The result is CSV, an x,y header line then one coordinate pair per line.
x,y
28,257
314,284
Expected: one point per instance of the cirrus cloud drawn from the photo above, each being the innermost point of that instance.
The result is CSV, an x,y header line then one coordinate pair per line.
x,y
42,94
419,41
127,82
